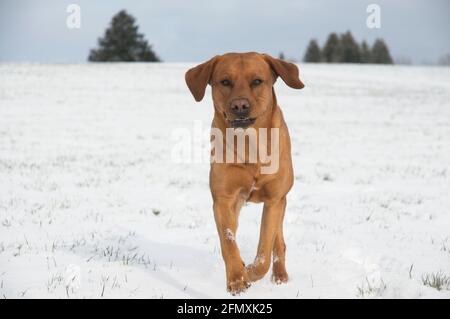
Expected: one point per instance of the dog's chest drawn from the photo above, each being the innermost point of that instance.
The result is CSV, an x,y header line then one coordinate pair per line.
x,y
253,188
254,194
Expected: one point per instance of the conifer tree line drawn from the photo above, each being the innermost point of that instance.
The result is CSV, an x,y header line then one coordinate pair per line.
x,y
344,49
123,42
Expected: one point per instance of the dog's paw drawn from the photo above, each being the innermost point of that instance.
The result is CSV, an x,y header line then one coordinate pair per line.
x,y
238,285
258,269
280,277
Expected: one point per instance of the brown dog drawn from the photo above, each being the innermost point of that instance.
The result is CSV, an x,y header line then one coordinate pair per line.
x,y
243,96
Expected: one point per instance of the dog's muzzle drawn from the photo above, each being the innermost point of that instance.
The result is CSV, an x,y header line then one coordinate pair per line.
x,y
242,122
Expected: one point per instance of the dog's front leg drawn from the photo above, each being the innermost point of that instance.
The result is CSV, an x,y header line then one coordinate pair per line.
x,y
226,216
271,219
279,274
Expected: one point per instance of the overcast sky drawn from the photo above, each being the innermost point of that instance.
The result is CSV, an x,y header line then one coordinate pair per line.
x,y
181,30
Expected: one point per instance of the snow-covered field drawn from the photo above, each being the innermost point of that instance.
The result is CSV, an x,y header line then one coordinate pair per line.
x,y
92,204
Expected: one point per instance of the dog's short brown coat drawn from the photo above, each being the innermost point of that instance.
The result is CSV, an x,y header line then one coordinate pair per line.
x,y
250,76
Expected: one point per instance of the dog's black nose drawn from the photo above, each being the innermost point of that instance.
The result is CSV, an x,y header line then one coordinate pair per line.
x,y
240,107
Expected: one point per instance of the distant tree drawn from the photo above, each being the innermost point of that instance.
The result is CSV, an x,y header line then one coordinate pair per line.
x,y
444,60
313,53
349,49
364,53
281,56
332,48
380,53
344,49
123,42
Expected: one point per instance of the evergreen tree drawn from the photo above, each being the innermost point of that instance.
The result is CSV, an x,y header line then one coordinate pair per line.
x,y
380,53
332,48
365,52
281,56
123,42
349,49
313,53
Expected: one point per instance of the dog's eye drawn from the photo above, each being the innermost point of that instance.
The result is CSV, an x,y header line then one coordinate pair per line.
x,y
225,82
256,82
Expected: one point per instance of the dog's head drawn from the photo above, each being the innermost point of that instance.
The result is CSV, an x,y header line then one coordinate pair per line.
x,y
241,84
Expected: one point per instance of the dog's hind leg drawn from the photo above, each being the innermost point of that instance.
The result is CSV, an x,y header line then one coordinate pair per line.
x,y
270,225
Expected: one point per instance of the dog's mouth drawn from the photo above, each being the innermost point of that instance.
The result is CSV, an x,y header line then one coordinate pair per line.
x,y
242,122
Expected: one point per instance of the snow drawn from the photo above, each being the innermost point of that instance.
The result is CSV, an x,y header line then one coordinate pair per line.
x,y
93,205
229,235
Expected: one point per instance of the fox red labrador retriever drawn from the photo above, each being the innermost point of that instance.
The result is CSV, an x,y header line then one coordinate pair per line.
x,y
244,98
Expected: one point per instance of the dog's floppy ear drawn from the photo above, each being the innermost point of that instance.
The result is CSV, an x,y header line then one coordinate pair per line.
x,y
287,71
198,78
